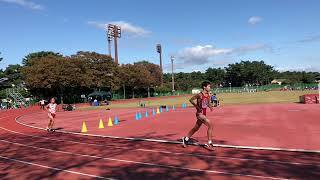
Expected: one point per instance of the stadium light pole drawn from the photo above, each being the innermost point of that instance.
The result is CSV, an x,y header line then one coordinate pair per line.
x,y
109,36
117,34
172,59
159,50
114,31
109,43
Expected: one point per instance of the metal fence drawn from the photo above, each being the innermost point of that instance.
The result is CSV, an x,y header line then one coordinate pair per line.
x,y
244,89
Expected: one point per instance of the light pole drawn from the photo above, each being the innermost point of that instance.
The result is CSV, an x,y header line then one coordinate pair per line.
x,y
114,32
230,86
159,50
109,34
172,59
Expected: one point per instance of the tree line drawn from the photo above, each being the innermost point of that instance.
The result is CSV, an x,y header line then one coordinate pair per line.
x,y
240,74
47,74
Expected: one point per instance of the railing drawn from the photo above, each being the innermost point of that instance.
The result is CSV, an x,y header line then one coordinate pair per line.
x,y
18,99
244,89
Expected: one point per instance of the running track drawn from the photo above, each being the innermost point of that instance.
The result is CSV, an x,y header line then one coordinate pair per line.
x,y
27,153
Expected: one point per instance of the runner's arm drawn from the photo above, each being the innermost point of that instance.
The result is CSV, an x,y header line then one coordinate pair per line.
x,y
192,101
47,107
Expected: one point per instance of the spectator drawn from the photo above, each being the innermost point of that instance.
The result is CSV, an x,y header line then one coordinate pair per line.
x,y
95,102
42,104
214,100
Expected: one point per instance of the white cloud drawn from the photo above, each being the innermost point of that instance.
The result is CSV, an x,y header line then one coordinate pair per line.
x,y
315,38
130,29
254,20
308,64
253,47
97,24
205,54
201,54
25,3
301,67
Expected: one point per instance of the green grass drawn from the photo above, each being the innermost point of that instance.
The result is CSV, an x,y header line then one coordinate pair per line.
x,y
264,97
226,99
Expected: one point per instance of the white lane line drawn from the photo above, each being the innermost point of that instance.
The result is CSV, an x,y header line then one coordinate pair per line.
x,y
177,142
145,163
54,168
165,152
232,158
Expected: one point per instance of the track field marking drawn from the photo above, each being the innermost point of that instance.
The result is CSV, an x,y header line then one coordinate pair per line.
x,y
53,168
145,163
163,152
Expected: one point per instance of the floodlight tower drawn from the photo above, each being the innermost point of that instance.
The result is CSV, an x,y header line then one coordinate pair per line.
x,y
159,50
115,33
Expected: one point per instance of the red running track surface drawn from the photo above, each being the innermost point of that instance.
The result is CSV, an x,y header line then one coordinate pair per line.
x,y
28,153
290,126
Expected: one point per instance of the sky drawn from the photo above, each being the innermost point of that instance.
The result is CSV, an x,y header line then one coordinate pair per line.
x,y
199,34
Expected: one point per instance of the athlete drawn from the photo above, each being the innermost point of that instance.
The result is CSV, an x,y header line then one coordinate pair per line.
x,y
201,102
52,109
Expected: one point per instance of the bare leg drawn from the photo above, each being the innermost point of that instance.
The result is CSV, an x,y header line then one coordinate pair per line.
x,y
208,123
50,121
195,128
192,131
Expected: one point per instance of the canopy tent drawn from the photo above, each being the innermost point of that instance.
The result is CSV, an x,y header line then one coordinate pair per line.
x,y
100,95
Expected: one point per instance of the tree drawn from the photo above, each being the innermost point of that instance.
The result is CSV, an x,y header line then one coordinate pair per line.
x,y
293,77
1,57
12,72
84,70
140,77
26,59
155,72
1,71
247,72
51,75
215,76
97,70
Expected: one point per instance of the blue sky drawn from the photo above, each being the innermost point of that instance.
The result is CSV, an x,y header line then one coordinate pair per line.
x,y
200,34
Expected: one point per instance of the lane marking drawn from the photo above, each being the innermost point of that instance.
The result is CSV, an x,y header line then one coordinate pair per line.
x,y
164,152
54,168
176,142
145,163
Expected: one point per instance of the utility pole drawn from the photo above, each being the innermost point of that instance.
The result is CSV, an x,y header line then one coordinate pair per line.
x,y
159,50
115,33
172,58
